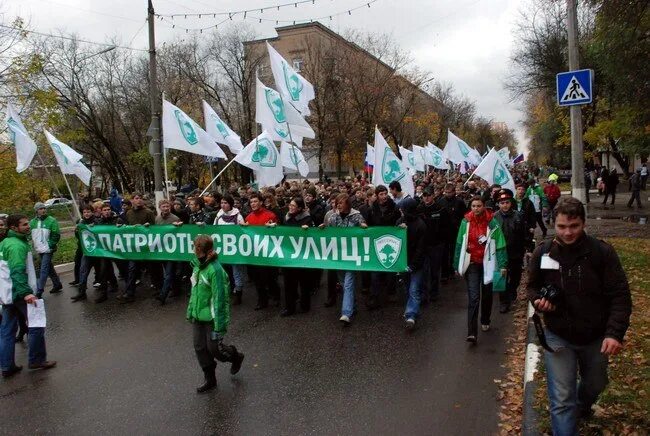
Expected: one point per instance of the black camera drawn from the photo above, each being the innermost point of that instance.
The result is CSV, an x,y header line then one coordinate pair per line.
x,y
550,293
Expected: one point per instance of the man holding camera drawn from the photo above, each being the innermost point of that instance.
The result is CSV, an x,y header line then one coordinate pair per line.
x,y
577,281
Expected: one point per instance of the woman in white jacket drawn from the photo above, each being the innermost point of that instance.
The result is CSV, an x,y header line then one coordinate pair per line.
x,y
229,215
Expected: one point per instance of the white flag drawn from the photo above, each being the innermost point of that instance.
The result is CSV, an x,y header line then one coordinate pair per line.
x,y
408,159
69,160
456,150
388,168
180,132
262,156
420,157
493,170
370,154
437,157
292,159
282,121
25,147
295,89
475,157
220,130
504,154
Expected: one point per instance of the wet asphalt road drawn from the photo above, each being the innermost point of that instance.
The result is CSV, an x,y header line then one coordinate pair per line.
x,y
131,369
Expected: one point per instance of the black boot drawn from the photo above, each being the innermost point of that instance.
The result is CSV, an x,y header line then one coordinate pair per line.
x,y
236,297
103,296
81,295
236,363
210,381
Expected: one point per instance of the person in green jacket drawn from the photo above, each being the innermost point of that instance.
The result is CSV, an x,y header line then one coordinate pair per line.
x,y
45,237
536,195
17,289
209,312
480,256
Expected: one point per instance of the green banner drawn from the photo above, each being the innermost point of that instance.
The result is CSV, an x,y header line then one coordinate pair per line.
x,y
371,249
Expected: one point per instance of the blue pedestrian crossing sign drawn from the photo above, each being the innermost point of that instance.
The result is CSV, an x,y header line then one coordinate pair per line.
x,y
574,87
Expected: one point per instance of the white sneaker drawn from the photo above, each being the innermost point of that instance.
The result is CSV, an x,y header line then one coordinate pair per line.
x,y
345,319
485,327
410,324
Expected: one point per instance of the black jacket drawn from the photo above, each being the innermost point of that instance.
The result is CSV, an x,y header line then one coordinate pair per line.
x,y
595,300
528,211
516,233
416,244
302,219
383,216
317,211
436,218
200,217
456,208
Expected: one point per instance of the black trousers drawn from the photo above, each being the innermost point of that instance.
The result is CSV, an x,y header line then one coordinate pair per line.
x,y
266,282
77,262
209,351
294,278
448,257
608,193
636,195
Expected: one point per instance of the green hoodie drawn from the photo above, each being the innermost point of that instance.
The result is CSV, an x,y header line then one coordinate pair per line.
x,y
17,274
45,234
210,297
536,196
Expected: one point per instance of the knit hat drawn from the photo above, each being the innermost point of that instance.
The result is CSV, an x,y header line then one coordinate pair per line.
x,y
39,205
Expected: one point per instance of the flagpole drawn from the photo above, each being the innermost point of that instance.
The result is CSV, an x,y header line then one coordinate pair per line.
x,y
74,203
166,175
290,136
53,182
216,177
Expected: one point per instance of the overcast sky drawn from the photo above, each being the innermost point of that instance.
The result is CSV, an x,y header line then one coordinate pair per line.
x,y
464,42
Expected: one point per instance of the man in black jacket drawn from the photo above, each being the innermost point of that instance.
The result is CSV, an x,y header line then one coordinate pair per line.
x,y
383,212
436,218
586,322
456,208
416,253
517,237
523,205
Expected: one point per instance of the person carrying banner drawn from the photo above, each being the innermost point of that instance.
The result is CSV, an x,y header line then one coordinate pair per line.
x,y
18,285
45,237
87,218
480,252
166,217
345,216
107,279
229,215
209,312
265,277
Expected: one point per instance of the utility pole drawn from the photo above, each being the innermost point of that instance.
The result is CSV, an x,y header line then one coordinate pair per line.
x,y
577,155
154,98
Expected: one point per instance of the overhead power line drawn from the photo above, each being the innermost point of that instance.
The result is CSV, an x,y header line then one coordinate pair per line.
x,y
243,11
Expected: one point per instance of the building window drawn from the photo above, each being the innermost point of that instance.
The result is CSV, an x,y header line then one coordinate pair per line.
x,y
297,64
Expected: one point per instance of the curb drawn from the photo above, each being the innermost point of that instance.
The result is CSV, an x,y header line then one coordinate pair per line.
x,y
64,267
529,420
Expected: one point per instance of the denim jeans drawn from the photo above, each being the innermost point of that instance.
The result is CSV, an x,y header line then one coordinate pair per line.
x,y
47,270
238,275
346,278
381,283
567,397
169,270
135,269
477,294
415,294
432,267
84,271
35,337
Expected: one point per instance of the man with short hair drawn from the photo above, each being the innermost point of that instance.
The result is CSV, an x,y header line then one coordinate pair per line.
x,y
456,208
88,219
107,279
18,287
577,281
635,186
396,192
166,217
45,237
139,215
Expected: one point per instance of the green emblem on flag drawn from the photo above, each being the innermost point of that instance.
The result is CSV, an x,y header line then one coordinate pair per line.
x,y
265,154
57,150
463,148
387,249
294,156
411,159
294,85
221,127
500,174
437,159
391,170
89,240
13,126
276,105
186,127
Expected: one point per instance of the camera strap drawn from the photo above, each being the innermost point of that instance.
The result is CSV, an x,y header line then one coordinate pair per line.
x,y
541,336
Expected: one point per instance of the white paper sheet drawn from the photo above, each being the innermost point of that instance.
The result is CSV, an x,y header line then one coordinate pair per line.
x,y
36,314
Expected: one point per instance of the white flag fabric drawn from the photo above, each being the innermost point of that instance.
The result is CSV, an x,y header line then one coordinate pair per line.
x,y
220,131
388,168
69,160
292,159
282,121
180,132
456,150
25,147
408,159
437,157
493,170
420,156
295,89
262,156
504,154
475,157
370,154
